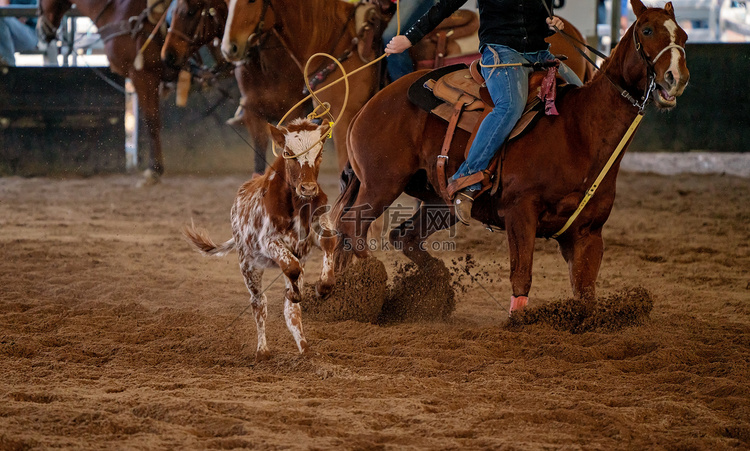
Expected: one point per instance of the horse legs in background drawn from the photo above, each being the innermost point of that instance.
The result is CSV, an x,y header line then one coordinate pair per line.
x,y
584,257
146,85
257,127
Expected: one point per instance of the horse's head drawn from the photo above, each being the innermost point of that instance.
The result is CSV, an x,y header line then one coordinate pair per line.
x,y
50,14
195,23
660,42
247,21
302,144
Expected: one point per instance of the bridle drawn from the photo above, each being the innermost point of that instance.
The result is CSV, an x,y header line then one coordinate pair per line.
x,y
259,29
651,72
201,29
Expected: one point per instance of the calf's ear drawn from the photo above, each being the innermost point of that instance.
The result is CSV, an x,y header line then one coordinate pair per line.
x,y
278,135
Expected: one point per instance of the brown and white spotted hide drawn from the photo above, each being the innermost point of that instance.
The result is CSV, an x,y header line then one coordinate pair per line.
x,y
276,222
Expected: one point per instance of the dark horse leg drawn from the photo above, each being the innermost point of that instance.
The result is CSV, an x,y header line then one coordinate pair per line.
x,y
409,236
583,253
257,127
147,88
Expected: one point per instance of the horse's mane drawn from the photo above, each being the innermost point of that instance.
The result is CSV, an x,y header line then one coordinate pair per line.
x,y
619,53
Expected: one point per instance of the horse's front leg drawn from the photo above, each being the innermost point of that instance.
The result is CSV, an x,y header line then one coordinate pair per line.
x,y
583,251
292,269
146,85
521,223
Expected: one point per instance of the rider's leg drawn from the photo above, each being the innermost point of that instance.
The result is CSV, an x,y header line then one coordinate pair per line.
x,y
508,87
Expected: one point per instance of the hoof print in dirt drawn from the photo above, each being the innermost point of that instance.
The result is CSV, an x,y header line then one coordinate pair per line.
x,y
358,294
628,307
420,294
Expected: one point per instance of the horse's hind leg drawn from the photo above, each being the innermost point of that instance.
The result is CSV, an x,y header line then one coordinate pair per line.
x,y
146,85
368,206
410,235
583,253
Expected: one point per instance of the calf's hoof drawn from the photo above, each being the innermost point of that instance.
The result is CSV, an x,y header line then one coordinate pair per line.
x,y
322,290
262,355
304,348
294,297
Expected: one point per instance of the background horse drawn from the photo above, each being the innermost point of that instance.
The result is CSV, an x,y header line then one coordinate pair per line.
x,y
269,79
561,45
305,28
544,174
123,27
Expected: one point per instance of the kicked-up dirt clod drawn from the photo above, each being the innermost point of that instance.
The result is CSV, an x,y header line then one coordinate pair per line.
x,y
358,295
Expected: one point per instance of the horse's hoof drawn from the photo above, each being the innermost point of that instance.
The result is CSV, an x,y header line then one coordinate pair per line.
x,y
150,178
322,290
262,355
304,348
517,303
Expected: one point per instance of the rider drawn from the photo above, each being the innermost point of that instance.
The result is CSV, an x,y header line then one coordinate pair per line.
x,y
510,31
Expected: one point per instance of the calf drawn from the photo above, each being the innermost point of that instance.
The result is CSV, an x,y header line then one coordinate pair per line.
x,y
273,222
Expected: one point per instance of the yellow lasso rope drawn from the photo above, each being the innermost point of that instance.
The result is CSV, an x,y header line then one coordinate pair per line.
x,y
326,105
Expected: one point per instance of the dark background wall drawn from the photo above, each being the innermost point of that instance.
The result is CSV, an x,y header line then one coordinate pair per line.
x,y
714,112
57,120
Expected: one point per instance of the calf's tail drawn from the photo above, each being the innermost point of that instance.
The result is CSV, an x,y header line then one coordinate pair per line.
x,y
204,244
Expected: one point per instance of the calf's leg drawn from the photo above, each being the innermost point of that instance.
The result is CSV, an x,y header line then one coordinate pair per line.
x,y
292,270
253,280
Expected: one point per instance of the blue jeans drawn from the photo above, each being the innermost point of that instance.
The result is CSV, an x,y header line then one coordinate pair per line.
x,y
509,89
15,37
400,64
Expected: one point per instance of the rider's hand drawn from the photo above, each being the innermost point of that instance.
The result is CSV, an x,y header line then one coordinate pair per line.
x,y
398,44
555,21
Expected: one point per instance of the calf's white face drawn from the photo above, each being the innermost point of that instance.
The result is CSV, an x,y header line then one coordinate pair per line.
x,y
302,144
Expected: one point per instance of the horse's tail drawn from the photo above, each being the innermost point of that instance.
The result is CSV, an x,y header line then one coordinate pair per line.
x,y
204,244
350,184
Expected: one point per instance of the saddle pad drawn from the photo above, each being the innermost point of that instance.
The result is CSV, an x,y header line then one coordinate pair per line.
x,y
423,97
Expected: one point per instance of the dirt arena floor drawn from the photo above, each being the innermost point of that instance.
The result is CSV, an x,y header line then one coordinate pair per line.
x,y
114,334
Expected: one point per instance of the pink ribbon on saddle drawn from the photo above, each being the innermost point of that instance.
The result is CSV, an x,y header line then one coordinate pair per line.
x,y
548,92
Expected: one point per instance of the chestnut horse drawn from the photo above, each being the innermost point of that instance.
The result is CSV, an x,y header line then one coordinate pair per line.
x,y
269,81
124,28
305,28
544,174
